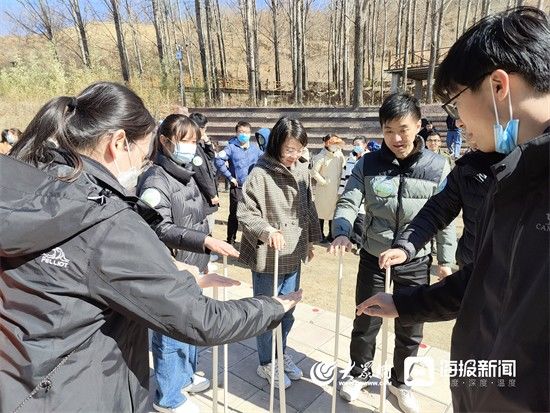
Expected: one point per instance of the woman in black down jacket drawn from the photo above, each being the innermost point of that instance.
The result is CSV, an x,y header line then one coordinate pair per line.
x,y
169,187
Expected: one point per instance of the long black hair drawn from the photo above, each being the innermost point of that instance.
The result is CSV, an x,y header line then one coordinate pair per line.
x,y
76,124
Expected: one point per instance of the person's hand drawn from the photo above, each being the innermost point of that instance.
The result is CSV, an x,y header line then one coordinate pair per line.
x,y
340,244
234,182
310,252
391,257
216,280
276,241
379,305
186,267
290,300
443,271
215,200
220,247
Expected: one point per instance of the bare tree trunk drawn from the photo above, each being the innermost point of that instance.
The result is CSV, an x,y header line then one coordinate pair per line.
x,y
330,66
426,20
458,19
406,52
121,46
157,22
211,52
81,31
299,87
540,4
248,26
274,9
466,15
345,53
359,53
413,32
475,11
398,33
384,42
255,31
367,42
135,37
221,43
373,36
439,26
304,13
485,8
203,52
433,52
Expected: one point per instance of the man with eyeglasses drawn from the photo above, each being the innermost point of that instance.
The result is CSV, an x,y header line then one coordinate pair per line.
x,y
496,78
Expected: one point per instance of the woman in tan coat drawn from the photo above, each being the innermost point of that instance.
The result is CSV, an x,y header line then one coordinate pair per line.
x,y
277,212
327,172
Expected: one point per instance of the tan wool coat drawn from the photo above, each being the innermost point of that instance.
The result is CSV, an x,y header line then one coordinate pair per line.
x,y
276,198
327,172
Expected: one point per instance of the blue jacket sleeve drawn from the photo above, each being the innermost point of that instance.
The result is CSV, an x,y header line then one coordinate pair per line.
x,y
221,158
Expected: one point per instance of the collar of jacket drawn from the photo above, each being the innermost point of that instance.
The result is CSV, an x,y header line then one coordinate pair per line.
x,y
276,166
527,165
182,173
480,161
235,141
389,156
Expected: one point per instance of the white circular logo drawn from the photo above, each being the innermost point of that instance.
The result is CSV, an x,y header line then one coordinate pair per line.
x,y
322,373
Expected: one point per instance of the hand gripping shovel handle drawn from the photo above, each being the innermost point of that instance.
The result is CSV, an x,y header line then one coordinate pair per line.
x,y
384,367
337,330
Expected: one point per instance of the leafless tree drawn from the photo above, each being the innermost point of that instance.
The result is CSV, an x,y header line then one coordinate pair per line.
x,y
359,53
80,27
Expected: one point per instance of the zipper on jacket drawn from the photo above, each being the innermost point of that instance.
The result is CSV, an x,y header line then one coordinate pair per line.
x,y
399,206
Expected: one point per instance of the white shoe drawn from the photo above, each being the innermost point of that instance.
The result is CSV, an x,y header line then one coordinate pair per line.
x,y
212,267
352,387
198,384
405,398
292,370
265,372
186,407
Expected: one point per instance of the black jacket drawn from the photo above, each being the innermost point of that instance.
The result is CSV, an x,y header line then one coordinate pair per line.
x,y
501,300
83,276
205,175
172,191
465,188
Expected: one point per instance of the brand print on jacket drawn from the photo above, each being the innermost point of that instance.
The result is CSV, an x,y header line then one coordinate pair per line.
x,y
55,257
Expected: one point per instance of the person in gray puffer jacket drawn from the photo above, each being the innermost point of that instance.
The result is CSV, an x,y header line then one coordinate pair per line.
x,y
394,183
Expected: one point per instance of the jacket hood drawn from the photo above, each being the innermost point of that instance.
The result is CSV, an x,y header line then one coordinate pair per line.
x,y
38,210
262,137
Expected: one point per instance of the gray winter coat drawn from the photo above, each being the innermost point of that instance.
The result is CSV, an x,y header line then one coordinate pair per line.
x,y
393,192
83,277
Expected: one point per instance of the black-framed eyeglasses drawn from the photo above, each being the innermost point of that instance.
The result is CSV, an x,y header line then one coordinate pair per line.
x,y
450,106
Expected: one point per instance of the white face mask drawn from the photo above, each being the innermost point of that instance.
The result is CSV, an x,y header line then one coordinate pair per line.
x,y
129,178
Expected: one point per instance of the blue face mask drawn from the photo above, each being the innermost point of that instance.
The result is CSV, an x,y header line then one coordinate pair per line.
x,y
243,138
184,152
358,149
506,139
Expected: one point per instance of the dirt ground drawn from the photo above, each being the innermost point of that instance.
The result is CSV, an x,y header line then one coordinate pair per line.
x,y
319,280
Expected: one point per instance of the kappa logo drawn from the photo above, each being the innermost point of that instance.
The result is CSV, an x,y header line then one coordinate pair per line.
x,y
544,227
55,257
